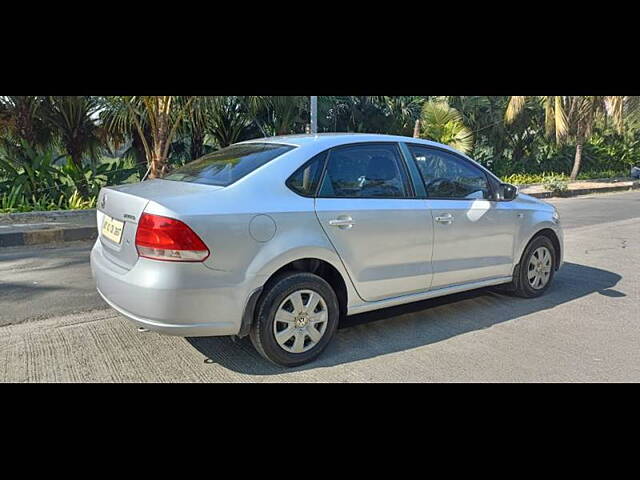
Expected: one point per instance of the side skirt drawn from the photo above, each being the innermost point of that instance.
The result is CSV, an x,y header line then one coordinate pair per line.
x,y
417,297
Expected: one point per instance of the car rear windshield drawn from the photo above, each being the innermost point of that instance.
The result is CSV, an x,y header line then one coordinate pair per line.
x,y
228,165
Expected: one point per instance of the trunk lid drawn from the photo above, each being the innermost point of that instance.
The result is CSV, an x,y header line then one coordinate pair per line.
x,y
126,204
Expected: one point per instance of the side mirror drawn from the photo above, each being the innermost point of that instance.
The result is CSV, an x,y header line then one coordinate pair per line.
x,y
506,192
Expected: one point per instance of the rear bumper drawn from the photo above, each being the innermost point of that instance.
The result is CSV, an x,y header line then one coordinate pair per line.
x,y
182,299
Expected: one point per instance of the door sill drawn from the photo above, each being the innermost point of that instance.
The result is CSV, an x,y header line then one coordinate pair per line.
x,y
417,297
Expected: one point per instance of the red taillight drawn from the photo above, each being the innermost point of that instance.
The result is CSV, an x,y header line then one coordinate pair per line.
x,y
162,238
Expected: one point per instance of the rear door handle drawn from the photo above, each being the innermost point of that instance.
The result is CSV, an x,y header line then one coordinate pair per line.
x,y
344,223
445,218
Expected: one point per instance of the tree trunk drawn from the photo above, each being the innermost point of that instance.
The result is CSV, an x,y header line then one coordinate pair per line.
x,y
517,156
158,162
416,130
158,157
82,186
142,162
577,163
197,144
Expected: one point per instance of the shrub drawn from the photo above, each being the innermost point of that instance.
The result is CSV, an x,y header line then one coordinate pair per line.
x,y
35,181
603,174
556,185
15,201
531,178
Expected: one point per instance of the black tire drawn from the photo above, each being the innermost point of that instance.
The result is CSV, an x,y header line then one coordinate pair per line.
x,y
521,286
276,292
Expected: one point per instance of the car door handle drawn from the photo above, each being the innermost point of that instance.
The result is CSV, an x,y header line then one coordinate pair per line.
x,y
343,222
446,219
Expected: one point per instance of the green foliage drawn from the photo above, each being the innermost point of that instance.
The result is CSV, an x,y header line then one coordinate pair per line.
x,y
531,179
604,174
558,186
441,123
14,201
35,182
57,152
76,202
541,178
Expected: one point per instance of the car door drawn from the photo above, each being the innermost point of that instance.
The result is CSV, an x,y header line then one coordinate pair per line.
x,y
473,235
383,234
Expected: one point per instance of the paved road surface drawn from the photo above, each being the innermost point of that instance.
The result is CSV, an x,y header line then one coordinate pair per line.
x,y
54,327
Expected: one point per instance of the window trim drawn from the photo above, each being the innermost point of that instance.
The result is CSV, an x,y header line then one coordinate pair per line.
x,y
463,160
407,180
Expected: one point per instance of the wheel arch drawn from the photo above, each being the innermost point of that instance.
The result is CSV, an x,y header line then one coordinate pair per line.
x,y
316,262
551,234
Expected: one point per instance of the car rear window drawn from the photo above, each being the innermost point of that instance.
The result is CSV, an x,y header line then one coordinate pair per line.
x,y
228,165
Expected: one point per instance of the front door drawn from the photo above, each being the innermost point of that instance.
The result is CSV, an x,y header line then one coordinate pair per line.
x,y
473,235
383,234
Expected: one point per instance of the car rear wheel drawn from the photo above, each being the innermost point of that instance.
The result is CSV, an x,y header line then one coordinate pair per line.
x,y
296,318
536,269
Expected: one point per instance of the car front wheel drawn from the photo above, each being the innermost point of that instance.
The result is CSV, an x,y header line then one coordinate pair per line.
x,y
537,268
296,318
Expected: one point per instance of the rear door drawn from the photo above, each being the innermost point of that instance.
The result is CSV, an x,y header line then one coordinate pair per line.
x,y
382,232
473,235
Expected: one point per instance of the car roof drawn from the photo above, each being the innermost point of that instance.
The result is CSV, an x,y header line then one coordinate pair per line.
x,y
329,140
334,139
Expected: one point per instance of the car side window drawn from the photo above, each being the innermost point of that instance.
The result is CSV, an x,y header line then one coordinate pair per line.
x,y
365,171
305,181
447,176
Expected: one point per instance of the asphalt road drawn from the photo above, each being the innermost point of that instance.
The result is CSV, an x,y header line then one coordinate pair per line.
x,y
54,327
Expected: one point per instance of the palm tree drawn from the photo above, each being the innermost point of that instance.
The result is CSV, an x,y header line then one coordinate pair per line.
x,y
72,119
572,119
366,114
402,113
161,116
21,119
280,115
228,120
195,126
444,124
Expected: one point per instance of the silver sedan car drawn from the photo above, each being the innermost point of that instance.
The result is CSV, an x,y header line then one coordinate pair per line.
x,y
281,238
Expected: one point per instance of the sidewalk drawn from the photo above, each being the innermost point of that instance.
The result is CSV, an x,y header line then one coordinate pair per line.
x,y
35,228
584,187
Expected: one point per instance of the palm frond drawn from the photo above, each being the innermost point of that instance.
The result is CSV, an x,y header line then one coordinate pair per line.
x,y
514,109
442,123
560,120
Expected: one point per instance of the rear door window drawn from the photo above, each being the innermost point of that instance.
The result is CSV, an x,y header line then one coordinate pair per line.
x,y
365,171
228,165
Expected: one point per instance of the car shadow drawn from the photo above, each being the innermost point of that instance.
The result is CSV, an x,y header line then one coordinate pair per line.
x,y
414,325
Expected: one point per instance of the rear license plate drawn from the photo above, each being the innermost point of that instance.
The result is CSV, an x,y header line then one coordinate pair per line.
x,y
112,229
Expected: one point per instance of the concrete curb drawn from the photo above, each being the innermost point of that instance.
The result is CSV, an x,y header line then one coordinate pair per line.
x,y
39,237
586,191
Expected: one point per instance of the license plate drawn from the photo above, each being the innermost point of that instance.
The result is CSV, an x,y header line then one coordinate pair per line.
x,y
112,229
